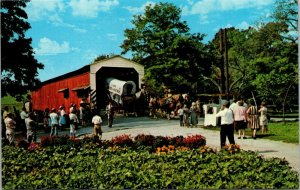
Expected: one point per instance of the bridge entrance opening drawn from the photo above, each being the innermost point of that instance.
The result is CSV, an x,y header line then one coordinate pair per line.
x,y
125,74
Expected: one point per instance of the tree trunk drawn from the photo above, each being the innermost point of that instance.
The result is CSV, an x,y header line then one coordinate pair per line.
x,y
284,100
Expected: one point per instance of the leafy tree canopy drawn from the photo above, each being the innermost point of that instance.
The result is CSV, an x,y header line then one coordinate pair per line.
x,y
262,59
18,65
162,43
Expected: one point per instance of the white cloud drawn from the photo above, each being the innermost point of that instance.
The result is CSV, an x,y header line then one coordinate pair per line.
x,y
39,9
224,26
49,47
57,21
207,6
107,4
228,26
112,37
90,8
184,10
243,25
204,19
136,10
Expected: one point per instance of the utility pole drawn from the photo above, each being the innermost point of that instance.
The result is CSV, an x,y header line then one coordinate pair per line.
x,y
222,61
226,64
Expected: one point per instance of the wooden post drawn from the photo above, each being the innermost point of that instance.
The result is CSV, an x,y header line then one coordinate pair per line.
x,y
223,87
226,64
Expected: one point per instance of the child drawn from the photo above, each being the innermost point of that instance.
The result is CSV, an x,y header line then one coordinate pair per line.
x,y
73,123
180,113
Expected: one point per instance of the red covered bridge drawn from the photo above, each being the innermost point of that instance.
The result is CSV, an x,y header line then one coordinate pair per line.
x,y
86,83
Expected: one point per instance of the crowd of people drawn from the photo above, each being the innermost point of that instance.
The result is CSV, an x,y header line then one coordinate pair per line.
x,y
237,116
188,117
54,120
240,116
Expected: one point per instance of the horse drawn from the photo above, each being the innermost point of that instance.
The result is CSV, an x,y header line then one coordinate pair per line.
x,y
129,105
153,105
168,106
135,104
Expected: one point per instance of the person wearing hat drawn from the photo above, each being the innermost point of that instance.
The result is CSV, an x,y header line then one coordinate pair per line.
x,y
54,122
10,125
73,108
227,128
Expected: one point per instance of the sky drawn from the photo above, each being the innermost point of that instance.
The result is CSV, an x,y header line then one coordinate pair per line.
x,y
69,34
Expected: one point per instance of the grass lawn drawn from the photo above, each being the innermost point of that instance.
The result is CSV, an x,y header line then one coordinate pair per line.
x,y
278,131
286,132
11,102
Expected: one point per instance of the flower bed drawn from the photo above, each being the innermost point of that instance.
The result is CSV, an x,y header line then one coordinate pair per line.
x,y
169,164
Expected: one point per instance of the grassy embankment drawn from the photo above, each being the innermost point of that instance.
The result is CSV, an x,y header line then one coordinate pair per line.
x,y
11,102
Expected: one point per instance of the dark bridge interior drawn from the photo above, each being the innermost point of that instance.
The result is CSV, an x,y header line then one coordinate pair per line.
x,y
125,74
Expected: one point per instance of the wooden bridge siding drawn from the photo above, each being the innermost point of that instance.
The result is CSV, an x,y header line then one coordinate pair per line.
x,y
49,97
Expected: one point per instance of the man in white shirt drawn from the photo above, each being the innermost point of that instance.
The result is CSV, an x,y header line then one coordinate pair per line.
x,y
227,128
96,120
233,105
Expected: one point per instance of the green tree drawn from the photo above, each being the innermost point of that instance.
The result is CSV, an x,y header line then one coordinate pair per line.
x,y
18,65
275,47
162,43
238,61
286,12
102,57
275,73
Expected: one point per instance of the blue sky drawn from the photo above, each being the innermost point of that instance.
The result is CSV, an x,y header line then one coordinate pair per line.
x,y
68,34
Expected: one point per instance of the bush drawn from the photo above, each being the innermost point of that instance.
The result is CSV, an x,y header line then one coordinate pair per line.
x,y
161,141
61,140
47,141
144,140
122,141
22,144
34,146
177,141
124,168
194,141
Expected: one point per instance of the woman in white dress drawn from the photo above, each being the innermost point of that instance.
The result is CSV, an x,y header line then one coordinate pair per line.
x,y
263,120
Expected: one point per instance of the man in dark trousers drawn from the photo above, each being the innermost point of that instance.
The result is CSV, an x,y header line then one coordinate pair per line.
x,y
227,128
110,113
